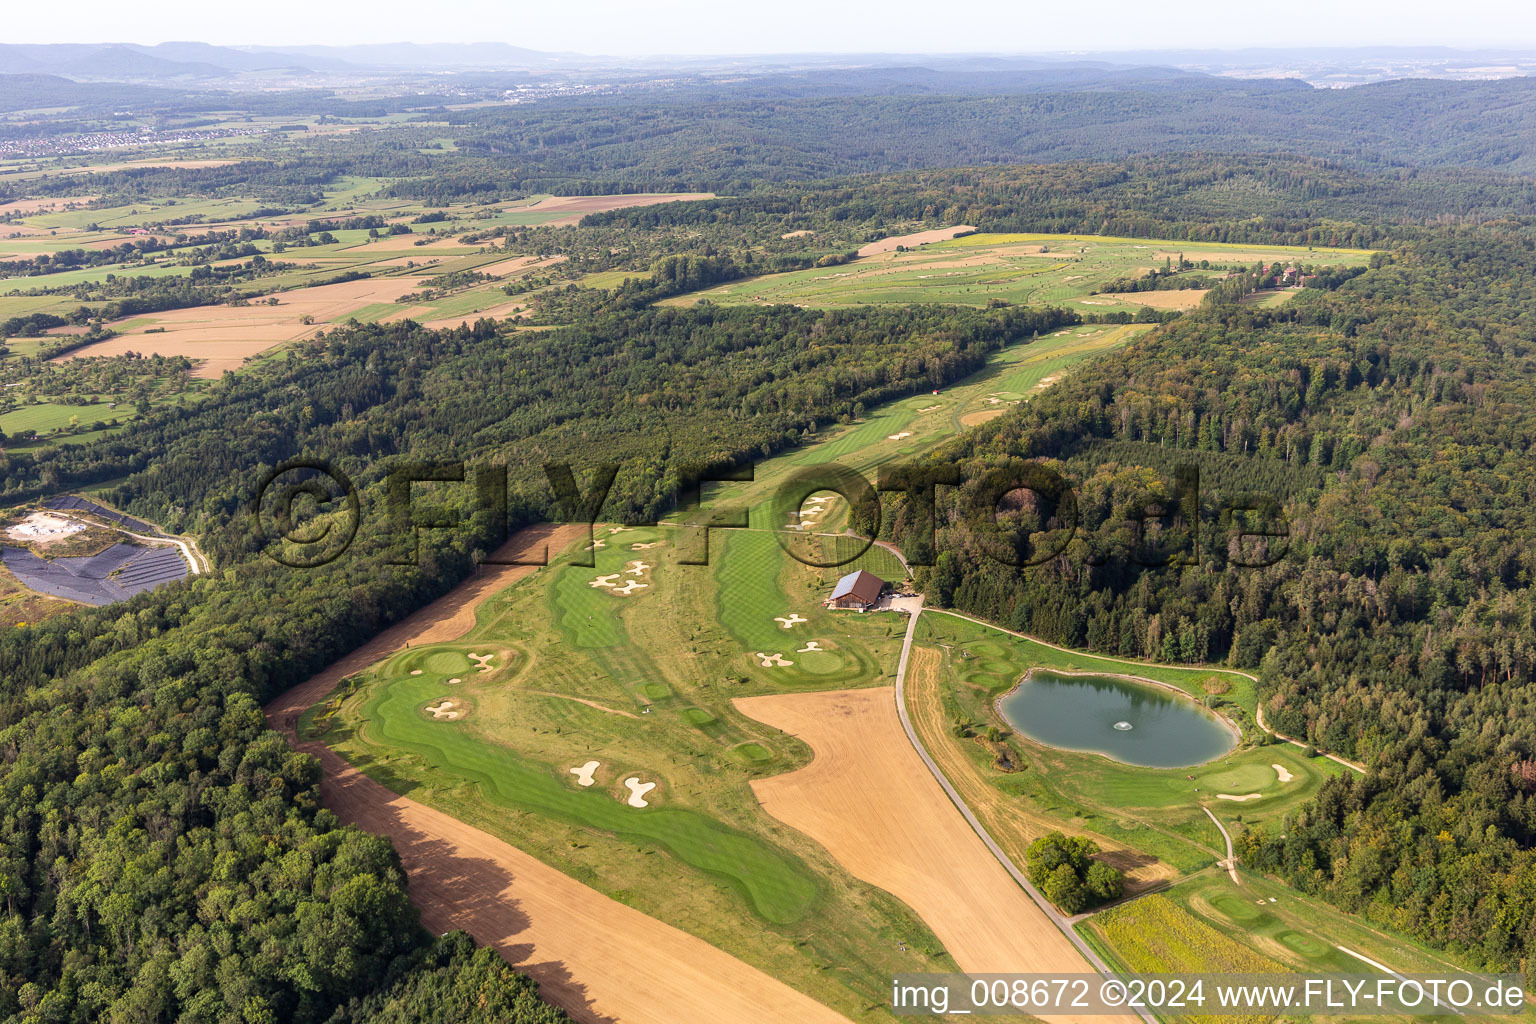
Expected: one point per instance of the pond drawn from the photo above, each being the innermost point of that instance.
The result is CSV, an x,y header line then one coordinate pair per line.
x,y
1130,722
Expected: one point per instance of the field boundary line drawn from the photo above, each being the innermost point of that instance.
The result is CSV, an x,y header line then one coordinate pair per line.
x,y
1055,916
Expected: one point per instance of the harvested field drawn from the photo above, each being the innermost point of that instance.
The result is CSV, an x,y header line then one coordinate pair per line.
x,y
1183,298
917,238
577,207
224,337
26,206
971,419
598,959
869,799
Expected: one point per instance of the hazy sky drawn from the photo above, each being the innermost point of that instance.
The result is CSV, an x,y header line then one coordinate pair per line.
x,y
634,27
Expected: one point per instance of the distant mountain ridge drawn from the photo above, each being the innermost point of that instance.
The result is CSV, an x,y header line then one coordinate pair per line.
x,y
164,61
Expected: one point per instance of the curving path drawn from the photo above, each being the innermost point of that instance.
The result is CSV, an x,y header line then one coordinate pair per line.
x,y
1045,905
1231,862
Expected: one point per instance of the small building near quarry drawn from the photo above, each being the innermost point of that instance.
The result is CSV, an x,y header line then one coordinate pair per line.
x,y
858,591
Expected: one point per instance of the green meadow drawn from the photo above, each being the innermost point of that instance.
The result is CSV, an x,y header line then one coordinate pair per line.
x,y
1063,270
633,663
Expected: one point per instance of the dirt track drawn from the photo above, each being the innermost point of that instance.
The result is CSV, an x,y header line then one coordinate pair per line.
x,y
597,958
870,801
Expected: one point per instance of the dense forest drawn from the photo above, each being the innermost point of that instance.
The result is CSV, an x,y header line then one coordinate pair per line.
x,y
165,853
1381,433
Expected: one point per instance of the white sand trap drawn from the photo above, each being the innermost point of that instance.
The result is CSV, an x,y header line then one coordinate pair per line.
x,y
483,661
637,568
1239,799
792,619
898,437
929,408
618,529
637,791
597,544
772,660
1283,772
629,587
647,547
415,671
993,401
455,679
605,580
584,773
444,710
798,526
810,645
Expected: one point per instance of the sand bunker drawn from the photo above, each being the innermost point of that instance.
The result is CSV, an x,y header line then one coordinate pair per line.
x,y
629,587
1239,799
619,529
584,773
637,568
810,645
637,791
929,408
483,661
898,437
597,544
605,580
540,919
444,710
455,679
647,547
792,619
1283,772
772,660
415,671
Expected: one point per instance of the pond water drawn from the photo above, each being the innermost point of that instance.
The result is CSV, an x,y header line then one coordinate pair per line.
x,y
1126,721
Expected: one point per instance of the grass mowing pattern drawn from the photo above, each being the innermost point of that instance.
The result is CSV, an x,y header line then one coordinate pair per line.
x,y
974,269
750,595
777,886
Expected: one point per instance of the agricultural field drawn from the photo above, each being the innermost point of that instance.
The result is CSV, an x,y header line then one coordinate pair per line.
x,y
557,724
1207,924
1151,823
425,271
670,782
1058,270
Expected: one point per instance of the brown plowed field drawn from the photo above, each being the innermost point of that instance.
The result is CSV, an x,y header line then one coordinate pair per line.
x,y
597,958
